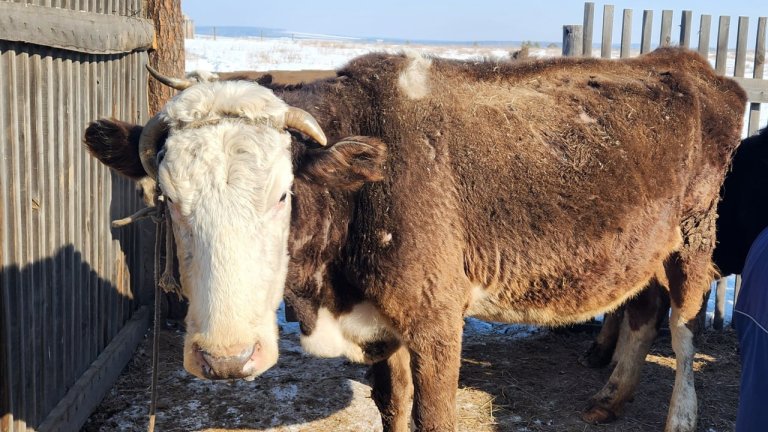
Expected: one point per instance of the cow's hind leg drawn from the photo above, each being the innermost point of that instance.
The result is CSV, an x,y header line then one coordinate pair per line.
x,y
392,390
689,278
599,354
640,325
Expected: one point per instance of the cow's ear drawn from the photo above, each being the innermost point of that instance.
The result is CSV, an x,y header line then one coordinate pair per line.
x,y
116,145
345,165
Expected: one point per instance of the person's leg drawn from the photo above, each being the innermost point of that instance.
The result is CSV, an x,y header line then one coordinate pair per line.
x,y
753,393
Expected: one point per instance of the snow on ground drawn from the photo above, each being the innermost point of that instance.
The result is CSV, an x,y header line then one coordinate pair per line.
x,y
238,54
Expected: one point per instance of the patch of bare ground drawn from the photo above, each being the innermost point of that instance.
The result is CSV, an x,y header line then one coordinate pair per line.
x,y
533,384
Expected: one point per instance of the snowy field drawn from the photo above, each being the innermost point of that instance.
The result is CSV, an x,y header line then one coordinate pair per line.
x,y
265,54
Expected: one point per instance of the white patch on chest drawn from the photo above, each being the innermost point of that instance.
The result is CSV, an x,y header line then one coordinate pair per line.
x,y
343,335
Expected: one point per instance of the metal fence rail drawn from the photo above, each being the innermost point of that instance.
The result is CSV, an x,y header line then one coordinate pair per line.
x,y
68,284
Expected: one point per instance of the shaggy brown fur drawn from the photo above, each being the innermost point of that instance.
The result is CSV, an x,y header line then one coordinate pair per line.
x,y
742,215
561,187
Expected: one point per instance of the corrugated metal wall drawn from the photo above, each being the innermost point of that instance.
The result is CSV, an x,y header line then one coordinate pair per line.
x,y
67,278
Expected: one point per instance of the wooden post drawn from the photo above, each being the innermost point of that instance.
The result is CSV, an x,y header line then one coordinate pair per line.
x,y
605,46
721,58
589,21
741,47
704,31
626,33
736,289
573,37
759,70
168,55
665,38
685,29
645,39
717,322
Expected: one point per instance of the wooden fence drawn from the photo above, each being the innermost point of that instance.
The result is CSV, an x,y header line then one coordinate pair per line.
x,y
578,41
71,312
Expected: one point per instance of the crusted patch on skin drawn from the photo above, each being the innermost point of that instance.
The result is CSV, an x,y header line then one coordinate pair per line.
x,y
414,81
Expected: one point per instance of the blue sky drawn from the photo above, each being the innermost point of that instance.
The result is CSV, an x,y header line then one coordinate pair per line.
x,y
468,20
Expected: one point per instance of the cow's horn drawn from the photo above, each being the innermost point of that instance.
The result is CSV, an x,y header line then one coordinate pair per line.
x,y
303,121
177,83
150,135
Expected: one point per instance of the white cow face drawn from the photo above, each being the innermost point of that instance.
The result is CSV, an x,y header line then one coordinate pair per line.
x,y
227,173
225,164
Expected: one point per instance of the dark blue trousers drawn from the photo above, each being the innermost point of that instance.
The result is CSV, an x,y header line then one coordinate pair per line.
x,y
753,396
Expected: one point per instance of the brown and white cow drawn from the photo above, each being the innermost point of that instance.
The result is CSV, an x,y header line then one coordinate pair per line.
x,y
541,192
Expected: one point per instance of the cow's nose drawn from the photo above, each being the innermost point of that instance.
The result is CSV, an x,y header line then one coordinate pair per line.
x,y
241,365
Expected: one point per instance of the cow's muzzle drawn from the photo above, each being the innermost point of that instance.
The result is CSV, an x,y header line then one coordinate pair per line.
x,y
245,364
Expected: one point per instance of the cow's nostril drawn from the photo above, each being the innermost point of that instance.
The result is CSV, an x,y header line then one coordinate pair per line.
x,y
224,367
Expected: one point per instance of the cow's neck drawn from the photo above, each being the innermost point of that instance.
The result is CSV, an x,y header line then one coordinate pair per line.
x,y
319,230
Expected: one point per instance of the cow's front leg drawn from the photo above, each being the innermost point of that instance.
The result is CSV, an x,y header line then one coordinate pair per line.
x,y
392,390
435,362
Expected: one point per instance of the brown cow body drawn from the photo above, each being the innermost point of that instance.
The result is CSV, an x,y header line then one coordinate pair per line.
x,y
541,192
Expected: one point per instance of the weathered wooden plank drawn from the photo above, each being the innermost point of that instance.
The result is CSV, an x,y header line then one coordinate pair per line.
x,y
665,38
110,101
736,290
722,44
89,253
15,190
607,39
645,38
81,360
30,272
572,40
589,25
704,35
758,71
717,322
7,405
74,30
686,22
38,206
741,47
757,89
96,202
100,231
626,34
51,199
74,409
52,204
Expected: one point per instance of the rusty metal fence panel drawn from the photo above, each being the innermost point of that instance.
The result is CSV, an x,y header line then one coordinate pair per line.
x,y
71,307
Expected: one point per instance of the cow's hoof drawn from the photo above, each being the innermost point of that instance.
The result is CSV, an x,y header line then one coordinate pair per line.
x,y
598,415
596,356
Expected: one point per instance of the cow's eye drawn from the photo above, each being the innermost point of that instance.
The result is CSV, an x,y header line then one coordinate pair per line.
x,y
283,197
